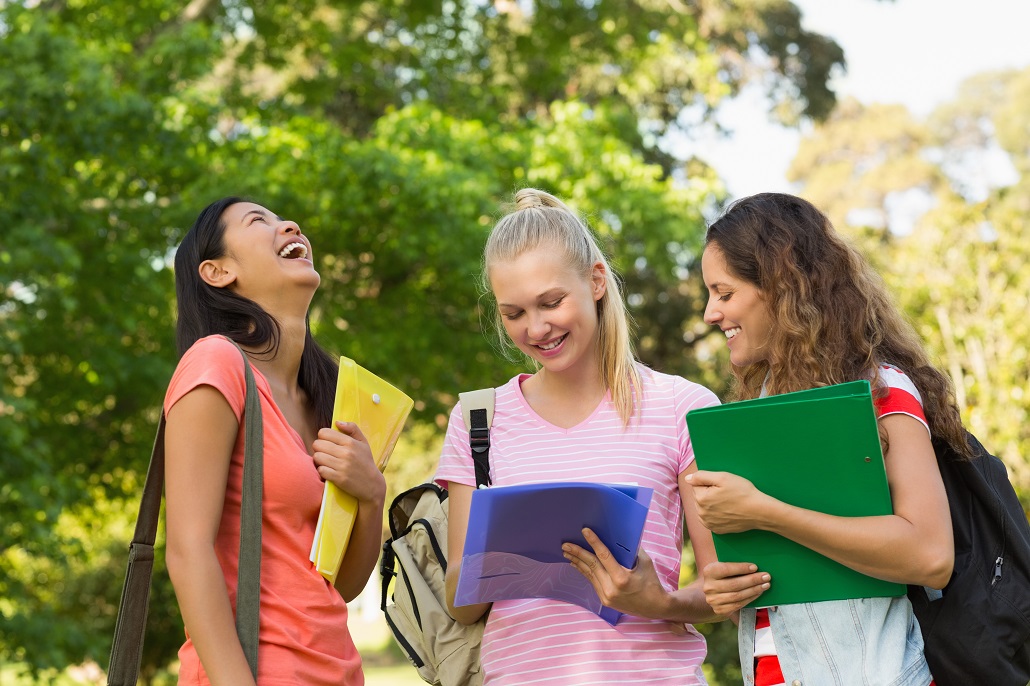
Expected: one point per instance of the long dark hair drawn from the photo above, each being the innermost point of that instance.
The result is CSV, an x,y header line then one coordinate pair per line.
x,y
835,320
205,311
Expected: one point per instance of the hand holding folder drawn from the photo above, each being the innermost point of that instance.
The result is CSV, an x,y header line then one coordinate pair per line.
x,y
513,547
817,449
379,410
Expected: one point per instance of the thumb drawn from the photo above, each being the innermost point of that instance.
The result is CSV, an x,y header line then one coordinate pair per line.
x,y
703,478
351,429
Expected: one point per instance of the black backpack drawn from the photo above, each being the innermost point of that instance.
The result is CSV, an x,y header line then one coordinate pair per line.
x,y
978,630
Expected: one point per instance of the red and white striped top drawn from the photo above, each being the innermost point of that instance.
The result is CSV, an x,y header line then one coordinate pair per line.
x,y
902,398
541,641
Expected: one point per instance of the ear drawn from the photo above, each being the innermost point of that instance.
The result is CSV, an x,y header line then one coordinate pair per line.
x,y
599,280
214,273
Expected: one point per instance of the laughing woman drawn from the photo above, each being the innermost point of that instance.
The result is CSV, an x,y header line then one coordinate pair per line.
x,y
243,273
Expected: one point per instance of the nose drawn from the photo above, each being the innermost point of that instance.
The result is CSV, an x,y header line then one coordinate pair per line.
x,y
712,314
287,226
538,326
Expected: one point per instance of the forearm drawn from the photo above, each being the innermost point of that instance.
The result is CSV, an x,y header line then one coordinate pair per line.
x,y
687,605
362,551
207,614
887,547
465,614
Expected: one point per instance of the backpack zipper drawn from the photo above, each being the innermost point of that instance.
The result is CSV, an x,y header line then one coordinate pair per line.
x,y
997,570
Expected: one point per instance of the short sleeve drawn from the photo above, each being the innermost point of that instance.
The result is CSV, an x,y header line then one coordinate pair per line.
x,y
456,456
901,396
689,396
212,361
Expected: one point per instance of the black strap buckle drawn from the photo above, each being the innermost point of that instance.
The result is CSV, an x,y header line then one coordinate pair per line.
x,y
479,439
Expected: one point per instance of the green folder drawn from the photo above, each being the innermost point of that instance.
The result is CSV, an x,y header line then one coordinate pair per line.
x,y
818,449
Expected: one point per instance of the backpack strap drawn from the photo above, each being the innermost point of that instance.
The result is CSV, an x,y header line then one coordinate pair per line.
x,y
130,622
477,409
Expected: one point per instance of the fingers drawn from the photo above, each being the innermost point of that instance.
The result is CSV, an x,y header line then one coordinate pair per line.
x,y
342,434
344,457
729,586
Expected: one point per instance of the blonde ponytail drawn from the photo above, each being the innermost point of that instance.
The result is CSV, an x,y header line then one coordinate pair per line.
x,y
538,218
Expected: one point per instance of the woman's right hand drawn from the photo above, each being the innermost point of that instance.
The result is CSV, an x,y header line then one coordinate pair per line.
x,y
729,586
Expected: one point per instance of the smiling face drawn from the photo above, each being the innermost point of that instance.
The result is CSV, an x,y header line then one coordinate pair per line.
x,y
265,254
737,308
549,311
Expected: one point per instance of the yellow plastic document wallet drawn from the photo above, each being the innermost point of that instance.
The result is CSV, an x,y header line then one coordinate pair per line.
x,y
380,411
817,449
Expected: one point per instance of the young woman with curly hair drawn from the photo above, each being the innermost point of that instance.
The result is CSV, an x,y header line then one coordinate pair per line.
x,y
800,309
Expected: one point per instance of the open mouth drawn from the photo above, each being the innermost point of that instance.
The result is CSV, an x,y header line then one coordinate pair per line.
x,y
554,344
294,251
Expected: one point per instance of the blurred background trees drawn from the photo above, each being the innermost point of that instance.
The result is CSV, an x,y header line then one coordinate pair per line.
x,y
392,132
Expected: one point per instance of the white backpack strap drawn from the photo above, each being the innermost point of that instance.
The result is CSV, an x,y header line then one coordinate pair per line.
x,y
476,400
477,409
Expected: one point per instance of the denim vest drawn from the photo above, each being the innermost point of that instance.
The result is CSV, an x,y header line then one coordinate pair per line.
x,y
863,642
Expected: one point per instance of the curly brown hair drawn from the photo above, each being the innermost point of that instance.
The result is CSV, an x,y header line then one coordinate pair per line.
x,y
835,320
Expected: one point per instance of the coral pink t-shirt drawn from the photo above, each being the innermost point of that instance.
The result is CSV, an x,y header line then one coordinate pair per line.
x,y
303,637
540,641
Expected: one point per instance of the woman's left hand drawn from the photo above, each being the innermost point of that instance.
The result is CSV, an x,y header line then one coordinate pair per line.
x,y
343,456
726,503
636,591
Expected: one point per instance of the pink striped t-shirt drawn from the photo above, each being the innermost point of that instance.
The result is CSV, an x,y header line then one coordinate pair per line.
x,y
542,641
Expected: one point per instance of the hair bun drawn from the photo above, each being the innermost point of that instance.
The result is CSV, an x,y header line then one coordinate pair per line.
x,y
529,197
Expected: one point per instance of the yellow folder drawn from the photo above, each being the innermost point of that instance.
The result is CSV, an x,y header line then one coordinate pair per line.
x,y
379,410
818,449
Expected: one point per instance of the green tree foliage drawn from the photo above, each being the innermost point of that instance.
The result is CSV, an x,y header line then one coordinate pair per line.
x,y
390,131
959,264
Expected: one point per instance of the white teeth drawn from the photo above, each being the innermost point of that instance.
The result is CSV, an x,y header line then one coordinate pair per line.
x,y
287,250
730,333
552,346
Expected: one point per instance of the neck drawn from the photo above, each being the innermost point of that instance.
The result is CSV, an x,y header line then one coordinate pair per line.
x,y
282,369
581,383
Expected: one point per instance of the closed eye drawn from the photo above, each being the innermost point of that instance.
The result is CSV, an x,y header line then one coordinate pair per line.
x,y
511,315
553,304
724,298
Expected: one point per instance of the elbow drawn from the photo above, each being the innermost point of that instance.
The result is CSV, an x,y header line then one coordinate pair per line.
x,y
940,577
178,561
467,614
937,570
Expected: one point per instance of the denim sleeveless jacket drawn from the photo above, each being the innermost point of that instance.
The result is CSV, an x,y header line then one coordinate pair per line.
x,y
862,642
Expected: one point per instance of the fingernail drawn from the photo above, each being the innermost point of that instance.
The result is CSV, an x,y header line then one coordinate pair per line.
x,y
765,586
765,577
753,568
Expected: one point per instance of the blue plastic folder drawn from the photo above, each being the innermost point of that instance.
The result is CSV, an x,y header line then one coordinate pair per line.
x,y
515,533
818,449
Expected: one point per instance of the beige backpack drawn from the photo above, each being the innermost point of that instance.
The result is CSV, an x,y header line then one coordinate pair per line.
x,y
443,650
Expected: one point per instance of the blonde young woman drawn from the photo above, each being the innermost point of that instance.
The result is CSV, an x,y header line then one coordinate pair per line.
x,y
590,412
801,309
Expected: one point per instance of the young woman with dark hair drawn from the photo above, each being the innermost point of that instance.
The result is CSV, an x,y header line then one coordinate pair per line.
x,y
243,273
800,309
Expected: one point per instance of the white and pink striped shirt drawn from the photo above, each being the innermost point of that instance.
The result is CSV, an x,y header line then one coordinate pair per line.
x,y
541,641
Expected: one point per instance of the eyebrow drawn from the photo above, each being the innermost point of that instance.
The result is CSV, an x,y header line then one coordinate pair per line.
x,y
260,213
549,294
